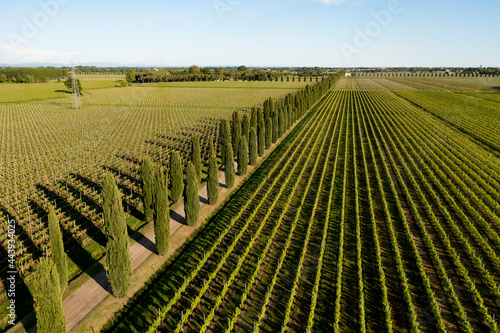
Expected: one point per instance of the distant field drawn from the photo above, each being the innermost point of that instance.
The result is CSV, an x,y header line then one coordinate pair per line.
x,y
179,97
24,92
234,84
451,84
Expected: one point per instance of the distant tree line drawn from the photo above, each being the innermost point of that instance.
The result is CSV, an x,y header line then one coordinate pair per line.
x,y
32,75
195,73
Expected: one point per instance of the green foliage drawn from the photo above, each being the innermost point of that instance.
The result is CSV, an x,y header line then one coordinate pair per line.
x,y
253,146
119,268
147,178
161,211
281,123
243,156
245,126
213,177
236,133
261,131
275,127
253,117
225,138
196,155
130,77
229,166
124,83
191,200
194,70
48,299
269,133
57,248
69,84
176,176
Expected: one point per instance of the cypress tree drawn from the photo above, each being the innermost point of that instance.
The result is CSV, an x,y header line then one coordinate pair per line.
x,y
225,138
229,166
281,122
260,116
269,133
236,134
275,128
213,177
245,126
253,146
162,211
48,298
271,106
243,156
57,248
118,263
176,176
196,155
147,177
261,138
286,119
191,200
253,120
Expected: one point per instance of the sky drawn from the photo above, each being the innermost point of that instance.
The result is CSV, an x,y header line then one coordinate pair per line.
x,y
325,33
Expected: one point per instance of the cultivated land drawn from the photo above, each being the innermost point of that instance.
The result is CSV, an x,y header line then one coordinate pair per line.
x,y
379,211
53,154
372,214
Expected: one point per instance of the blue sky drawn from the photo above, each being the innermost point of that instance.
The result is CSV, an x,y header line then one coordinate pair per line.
x,y
330,33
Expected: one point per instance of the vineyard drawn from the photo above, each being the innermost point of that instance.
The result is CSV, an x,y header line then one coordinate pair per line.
x,y
372,215
51,153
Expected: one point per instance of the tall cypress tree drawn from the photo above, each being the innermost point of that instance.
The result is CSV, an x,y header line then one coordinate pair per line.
x,y
57,248
269,133
245,126
236,134
229,171
162,211
275,127
261,138
281,123
147,177
253,146
191,200
48,298
119,268
253,120
260,116
176,176
196,155
213,177
225,138
243,156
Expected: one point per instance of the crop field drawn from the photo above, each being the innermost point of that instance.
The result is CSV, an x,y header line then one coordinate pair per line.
x,y
372,215
50,153
13,93
179,97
